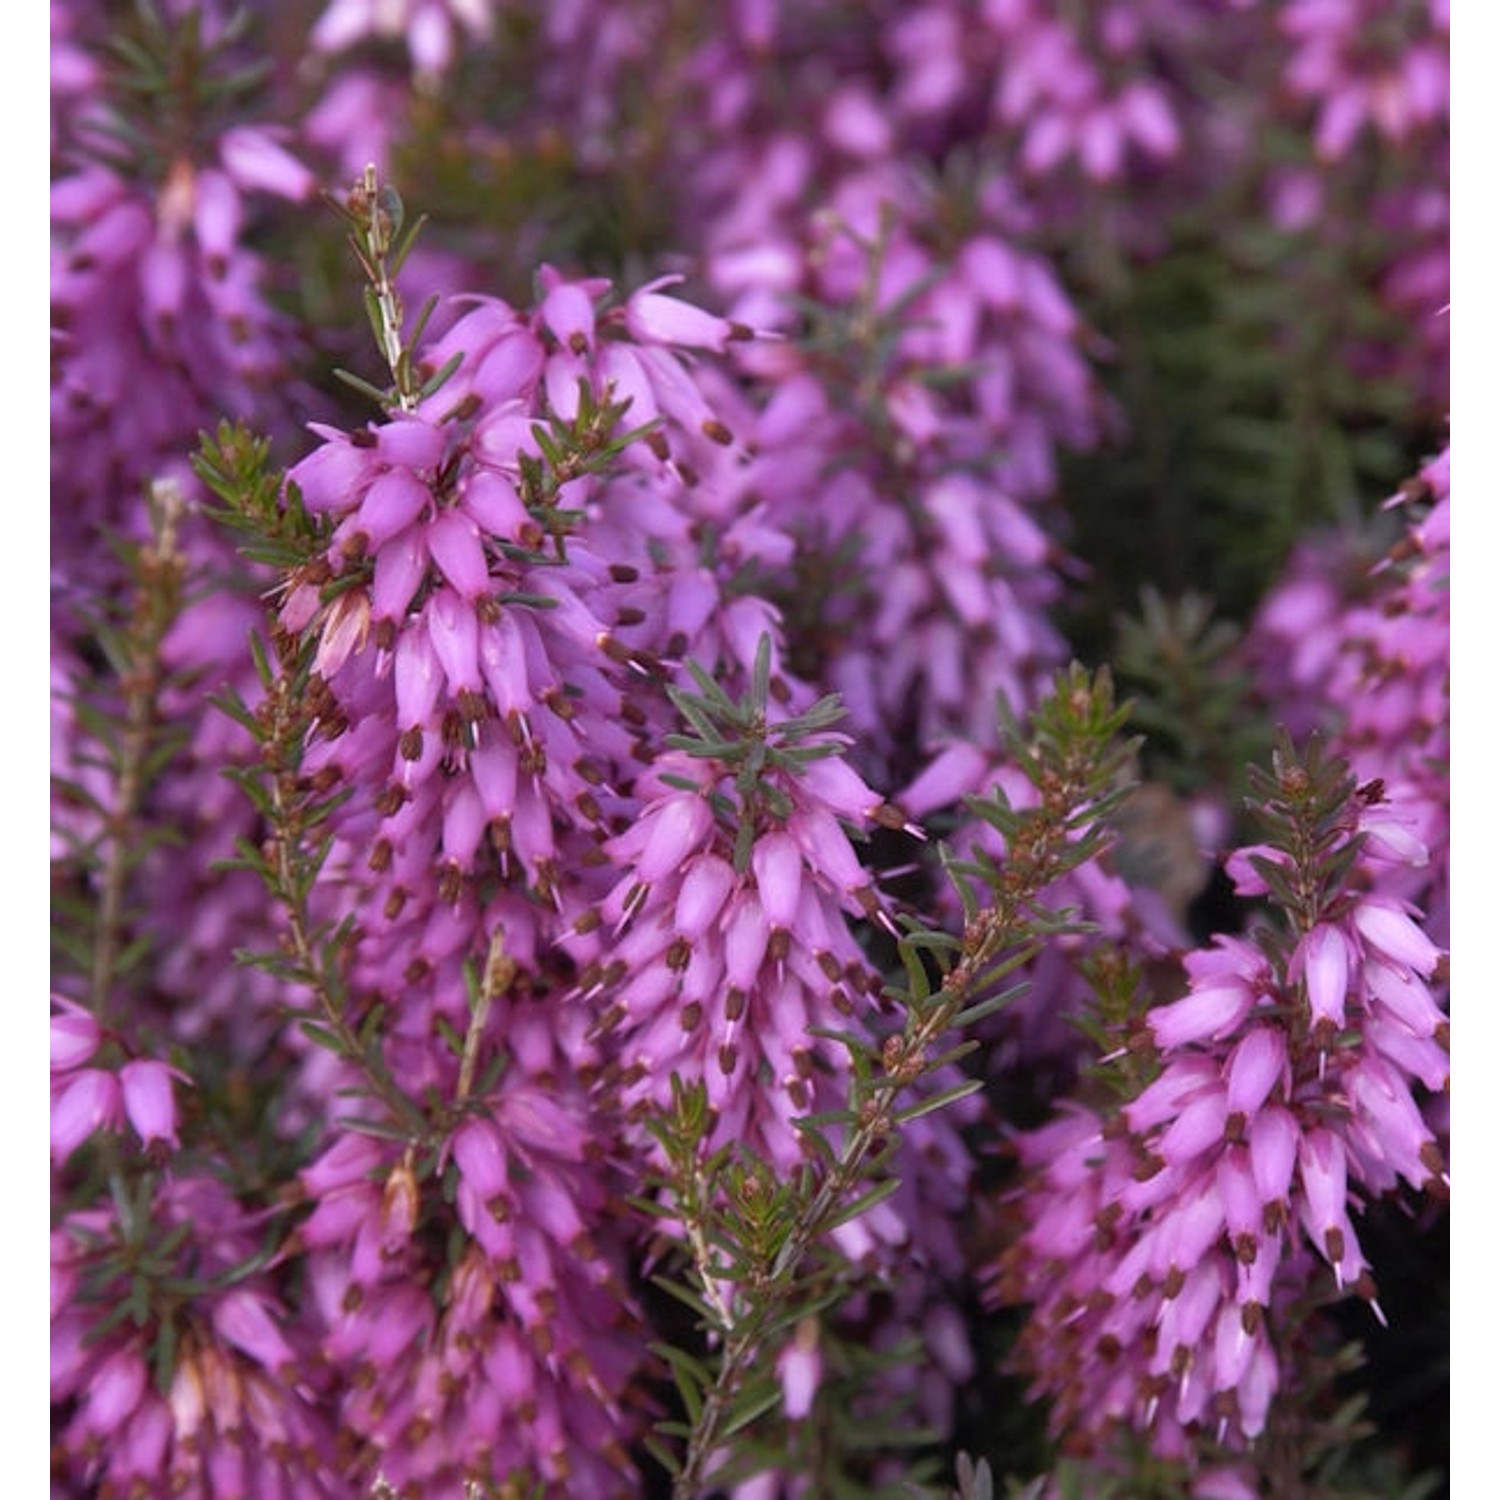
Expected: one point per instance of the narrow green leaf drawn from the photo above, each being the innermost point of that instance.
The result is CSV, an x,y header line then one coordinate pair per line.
x,y
663,1455
689,1376
938,1101
754,1401
688,1298
357,383
863,1204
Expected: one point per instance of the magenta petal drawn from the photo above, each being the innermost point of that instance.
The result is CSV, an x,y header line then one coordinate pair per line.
x,y
242,1318
1212,1010
1255,1066
418,679
74,1039
655,319
90,1102
481,1158
678,827
454,544
705,888
152,1110
493,504
1391,934
777,862
391,504
1322,958
453,629
400,566
1274,1139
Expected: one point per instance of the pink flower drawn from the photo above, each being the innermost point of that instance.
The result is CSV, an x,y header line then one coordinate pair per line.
x,y
147,1089
800,1369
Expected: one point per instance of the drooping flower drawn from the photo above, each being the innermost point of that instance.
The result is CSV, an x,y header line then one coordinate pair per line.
x,y
1160,1250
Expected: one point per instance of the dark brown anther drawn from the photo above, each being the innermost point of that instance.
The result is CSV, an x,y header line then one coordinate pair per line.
x,y
657,443
394,904
1173,1282
325,779
410,744
450,882
729,1056
630,615
390,801
383,633
1431,1157
830,966
734,1003
362,437
380,856
716,432
692,1014
679,954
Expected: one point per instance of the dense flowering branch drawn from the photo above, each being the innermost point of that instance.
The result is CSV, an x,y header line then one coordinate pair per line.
x,y
1075,765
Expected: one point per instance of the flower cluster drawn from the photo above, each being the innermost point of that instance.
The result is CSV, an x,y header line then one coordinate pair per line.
x,y
162,318
1360,651
1168,1244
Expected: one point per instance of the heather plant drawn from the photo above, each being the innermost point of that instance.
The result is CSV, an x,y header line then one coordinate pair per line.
x,y
1175,1275
605,939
